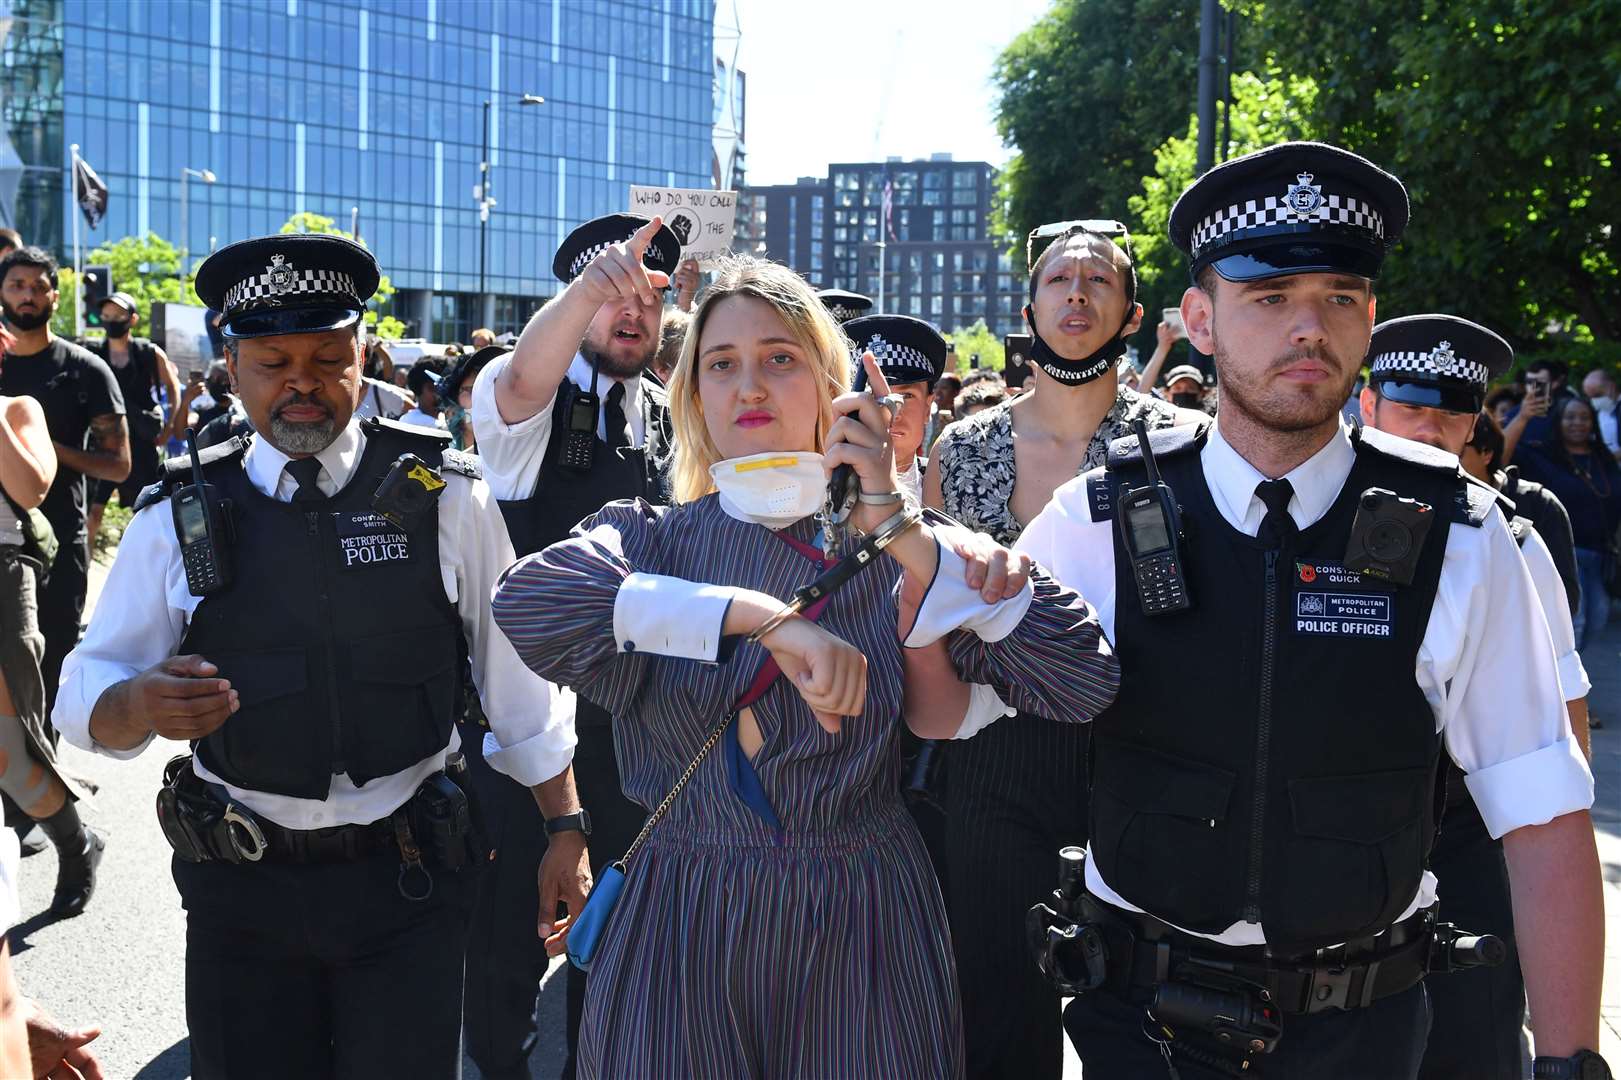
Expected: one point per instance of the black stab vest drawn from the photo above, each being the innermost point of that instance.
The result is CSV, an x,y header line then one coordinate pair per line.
x,y
1271,757
335,632
563,497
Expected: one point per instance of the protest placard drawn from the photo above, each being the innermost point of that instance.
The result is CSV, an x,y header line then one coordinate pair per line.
x,y
701,220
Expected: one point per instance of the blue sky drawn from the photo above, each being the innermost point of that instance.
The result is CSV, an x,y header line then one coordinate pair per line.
x,y
818,71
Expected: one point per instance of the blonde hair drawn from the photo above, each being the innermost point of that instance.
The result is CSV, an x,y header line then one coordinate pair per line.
x,y
808,323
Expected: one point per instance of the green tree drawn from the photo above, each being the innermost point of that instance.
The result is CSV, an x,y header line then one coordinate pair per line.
x,y
143,267
385,326
1264,111
1085,94
977,339
1503,117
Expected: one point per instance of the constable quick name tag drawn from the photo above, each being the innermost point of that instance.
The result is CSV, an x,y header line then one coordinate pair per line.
x,y
367,539
1330,601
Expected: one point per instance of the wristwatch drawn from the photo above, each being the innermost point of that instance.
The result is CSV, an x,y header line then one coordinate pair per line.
x,y
1582,1065
579,822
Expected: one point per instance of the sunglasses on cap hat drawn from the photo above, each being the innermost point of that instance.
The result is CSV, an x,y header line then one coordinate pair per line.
x,y
1055,230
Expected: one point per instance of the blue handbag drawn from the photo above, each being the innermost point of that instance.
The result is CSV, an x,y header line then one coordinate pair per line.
x,y
586,933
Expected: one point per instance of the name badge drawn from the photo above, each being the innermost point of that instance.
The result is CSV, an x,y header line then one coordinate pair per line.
x,y
1331,601
367,539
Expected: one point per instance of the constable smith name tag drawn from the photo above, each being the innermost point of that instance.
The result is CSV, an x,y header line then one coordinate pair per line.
x,y
366,539
1329,602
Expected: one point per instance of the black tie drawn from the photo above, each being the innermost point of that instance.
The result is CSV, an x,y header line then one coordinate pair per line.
x,y
1277,526
614,417
306,471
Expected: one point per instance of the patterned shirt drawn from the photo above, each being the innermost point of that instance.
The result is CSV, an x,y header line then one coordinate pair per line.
x,y
975,459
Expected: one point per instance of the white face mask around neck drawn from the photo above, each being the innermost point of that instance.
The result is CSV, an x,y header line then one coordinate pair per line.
x,y
773,489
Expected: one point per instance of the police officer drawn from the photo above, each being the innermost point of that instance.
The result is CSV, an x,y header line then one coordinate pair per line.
x,y
1427,377
1304,617
843,304
566,423
304,633
912,355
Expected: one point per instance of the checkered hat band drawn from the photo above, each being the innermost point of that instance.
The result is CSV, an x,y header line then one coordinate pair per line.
x,y
1425,366
585,257
840,313
890,355
258,289
1257,213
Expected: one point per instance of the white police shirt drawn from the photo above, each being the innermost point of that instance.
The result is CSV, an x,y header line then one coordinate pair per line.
x,y
1550,589
1487,664
136,626
513,453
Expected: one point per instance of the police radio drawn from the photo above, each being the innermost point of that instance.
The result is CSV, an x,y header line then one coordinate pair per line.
x,y
580,438
1152,530
199,522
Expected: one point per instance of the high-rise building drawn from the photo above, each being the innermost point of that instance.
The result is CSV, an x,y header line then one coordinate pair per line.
x,y
941,261
322,106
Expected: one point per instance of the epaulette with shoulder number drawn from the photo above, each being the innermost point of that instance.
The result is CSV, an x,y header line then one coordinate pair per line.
x,y
1520,528
459,461
1475,501
374,425
176,471
1101,488
1405,450
1165,442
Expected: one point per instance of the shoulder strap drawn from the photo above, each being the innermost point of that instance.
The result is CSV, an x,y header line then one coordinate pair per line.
x,y
1166,442
459,461
1404,450
1474,503
175,471
1521,529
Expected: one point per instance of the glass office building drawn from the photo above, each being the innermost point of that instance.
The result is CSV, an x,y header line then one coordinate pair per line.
x,y
322,107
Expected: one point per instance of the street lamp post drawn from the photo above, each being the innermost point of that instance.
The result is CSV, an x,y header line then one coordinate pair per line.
x,y
485,199
206,176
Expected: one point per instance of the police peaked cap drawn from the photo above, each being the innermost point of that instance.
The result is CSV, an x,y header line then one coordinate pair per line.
x,y
289,283
1294,208
907,349
844,305
597,235
467,367
1436,361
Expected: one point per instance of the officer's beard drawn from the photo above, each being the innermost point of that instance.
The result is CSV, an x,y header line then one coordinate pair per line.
x,y
1274,409
602,355
31,320
303,436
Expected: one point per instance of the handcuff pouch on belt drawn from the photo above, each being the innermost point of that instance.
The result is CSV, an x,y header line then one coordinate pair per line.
x,y
435,829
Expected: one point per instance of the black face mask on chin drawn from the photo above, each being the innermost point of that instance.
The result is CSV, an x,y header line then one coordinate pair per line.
x,y
1088,368
26,321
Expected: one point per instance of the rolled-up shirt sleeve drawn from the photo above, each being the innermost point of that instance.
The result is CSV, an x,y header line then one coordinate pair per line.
x,y
531,735
138,622
1488,664
512,453
670,616
1550,590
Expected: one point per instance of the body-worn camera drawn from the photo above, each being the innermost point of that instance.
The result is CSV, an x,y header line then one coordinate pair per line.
x,y
1387,535
409,489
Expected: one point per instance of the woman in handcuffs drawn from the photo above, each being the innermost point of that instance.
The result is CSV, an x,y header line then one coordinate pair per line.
x,y
781,919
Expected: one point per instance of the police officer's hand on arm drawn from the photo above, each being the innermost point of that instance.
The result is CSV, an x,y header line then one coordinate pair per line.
x,y
178,698
548,343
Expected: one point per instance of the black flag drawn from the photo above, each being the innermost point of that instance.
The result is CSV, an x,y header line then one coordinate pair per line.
x,y
90,192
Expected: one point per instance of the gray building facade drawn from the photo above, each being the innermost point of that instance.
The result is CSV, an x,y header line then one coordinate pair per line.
x,y
940,259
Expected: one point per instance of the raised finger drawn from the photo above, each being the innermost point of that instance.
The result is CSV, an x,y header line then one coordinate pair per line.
x,y
644,236
875,376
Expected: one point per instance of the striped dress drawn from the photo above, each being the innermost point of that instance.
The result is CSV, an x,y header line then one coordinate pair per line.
x,y
736,950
